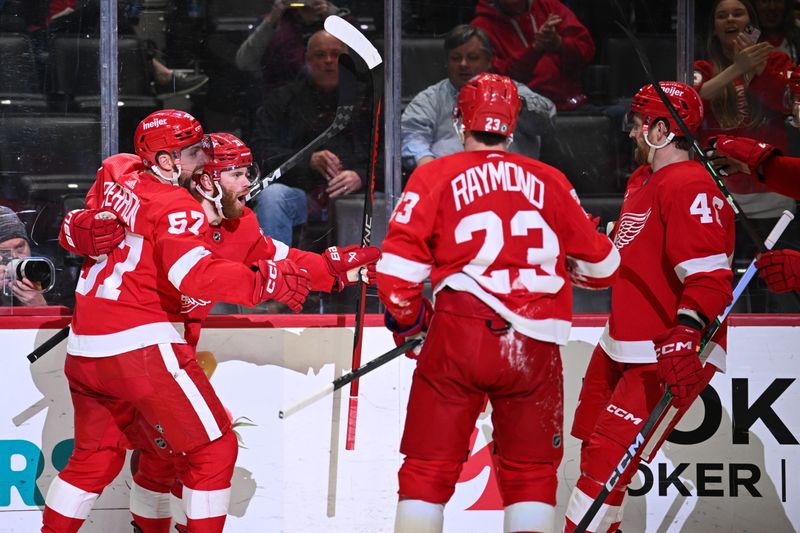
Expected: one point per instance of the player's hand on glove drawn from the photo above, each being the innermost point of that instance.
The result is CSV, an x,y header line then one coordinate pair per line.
x,y
284,282
417,330
678,363
739,154
349,264
92,232
780,269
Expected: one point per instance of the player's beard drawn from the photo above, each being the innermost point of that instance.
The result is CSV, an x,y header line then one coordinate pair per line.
x,y
640,153
231,206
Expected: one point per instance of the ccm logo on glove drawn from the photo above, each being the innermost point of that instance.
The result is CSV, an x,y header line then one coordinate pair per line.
x,y
673,347
272,276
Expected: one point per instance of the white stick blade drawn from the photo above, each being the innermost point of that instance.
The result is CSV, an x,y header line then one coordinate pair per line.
x,y
349,35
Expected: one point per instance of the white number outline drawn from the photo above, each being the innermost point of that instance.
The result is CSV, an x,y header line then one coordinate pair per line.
x,y
109,289
700,207
499,281
178,222
492,124
402,213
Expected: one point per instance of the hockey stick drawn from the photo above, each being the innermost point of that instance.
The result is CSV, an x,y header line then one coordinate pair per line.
x,y
349,35
340,382
344,113
662,405
49,344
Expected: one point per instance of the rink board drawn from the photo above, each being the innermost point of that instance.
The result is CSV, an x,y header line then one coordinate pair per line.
x,y
295,476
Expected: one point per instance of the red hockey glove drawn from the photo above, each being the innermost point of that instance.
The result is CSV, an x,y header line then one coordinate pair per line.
x,y
780,269
678,363
284,282
417,330
91,232
345,264
748,151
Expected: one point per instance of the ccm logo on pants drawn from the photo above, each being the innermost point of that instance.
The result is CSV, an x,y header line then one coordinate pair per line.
x,y
623,414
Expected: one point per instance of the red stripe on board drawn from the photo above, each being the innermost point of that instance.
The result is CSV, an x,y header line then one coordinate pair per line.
x,y
53,320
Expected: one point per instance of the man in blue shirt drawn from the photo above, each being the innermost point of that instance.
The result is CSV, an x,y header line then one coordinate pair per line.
x,y
427,125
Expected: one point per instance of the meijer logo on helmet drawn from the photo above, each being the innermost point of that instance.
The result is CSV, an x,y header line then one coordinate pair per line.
x,y
673,91
154,123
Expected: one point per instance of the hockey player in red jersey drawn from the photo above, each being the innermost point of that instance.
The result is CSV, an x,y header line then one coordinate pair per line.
x,y
780,269
133,378
220,187
500,236
675,236
234,234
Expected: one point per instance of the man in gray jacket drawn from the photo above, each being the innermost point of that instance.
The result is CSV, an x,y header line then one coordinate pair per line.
x,y
427,122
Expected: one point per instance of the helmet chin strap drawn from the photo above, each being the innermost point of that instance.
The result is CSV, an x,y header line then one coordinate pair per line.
x,y
653,147
174,179
216,199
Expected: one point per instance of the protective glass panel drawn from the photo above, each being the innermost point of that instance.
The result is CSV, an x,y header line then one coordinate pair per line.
x,y
50,139
757,104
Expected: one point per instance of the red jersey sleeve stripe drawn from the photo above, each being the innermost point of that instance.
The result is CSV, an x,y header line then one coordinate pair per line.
x,y
701,264
403,268
184,264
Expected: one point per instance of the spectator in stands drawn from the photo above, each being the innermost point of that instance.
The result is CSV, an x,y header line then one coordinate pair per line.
x,y
47,17
776,18
539,43
290,118
427,122
15,244
275,51
742,85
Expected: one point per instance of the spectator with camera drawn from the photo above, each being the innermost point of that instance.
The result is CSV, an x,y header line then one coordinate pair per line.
x,y
23,282
427,122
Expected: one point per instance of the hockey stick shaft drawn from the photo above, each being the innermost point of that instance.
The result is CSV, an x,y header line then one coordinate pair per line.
x,y
662,405
361,304
49,344
348,34
340,382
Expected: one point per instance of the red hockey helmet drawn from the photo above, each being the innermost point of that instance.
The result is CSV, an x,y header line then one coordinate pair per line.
x,y
683,98
229,152
490,103
165,131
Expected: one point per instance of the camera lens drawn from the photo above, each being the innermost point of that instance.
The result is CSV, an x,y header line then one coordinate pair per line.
x,y
36,270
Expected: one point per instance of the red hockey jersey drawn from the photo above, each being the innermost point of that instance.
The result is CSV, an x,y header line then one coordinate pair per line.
x,y
503,227
675,235
119,297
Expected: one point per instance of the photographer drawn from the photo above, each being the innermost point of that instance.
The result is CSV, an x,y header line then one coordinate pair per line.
x,y
14,244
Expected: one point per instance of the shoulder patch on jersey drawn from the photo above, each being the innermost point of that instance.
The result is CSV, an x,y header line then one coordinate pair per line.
x,y
629,226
